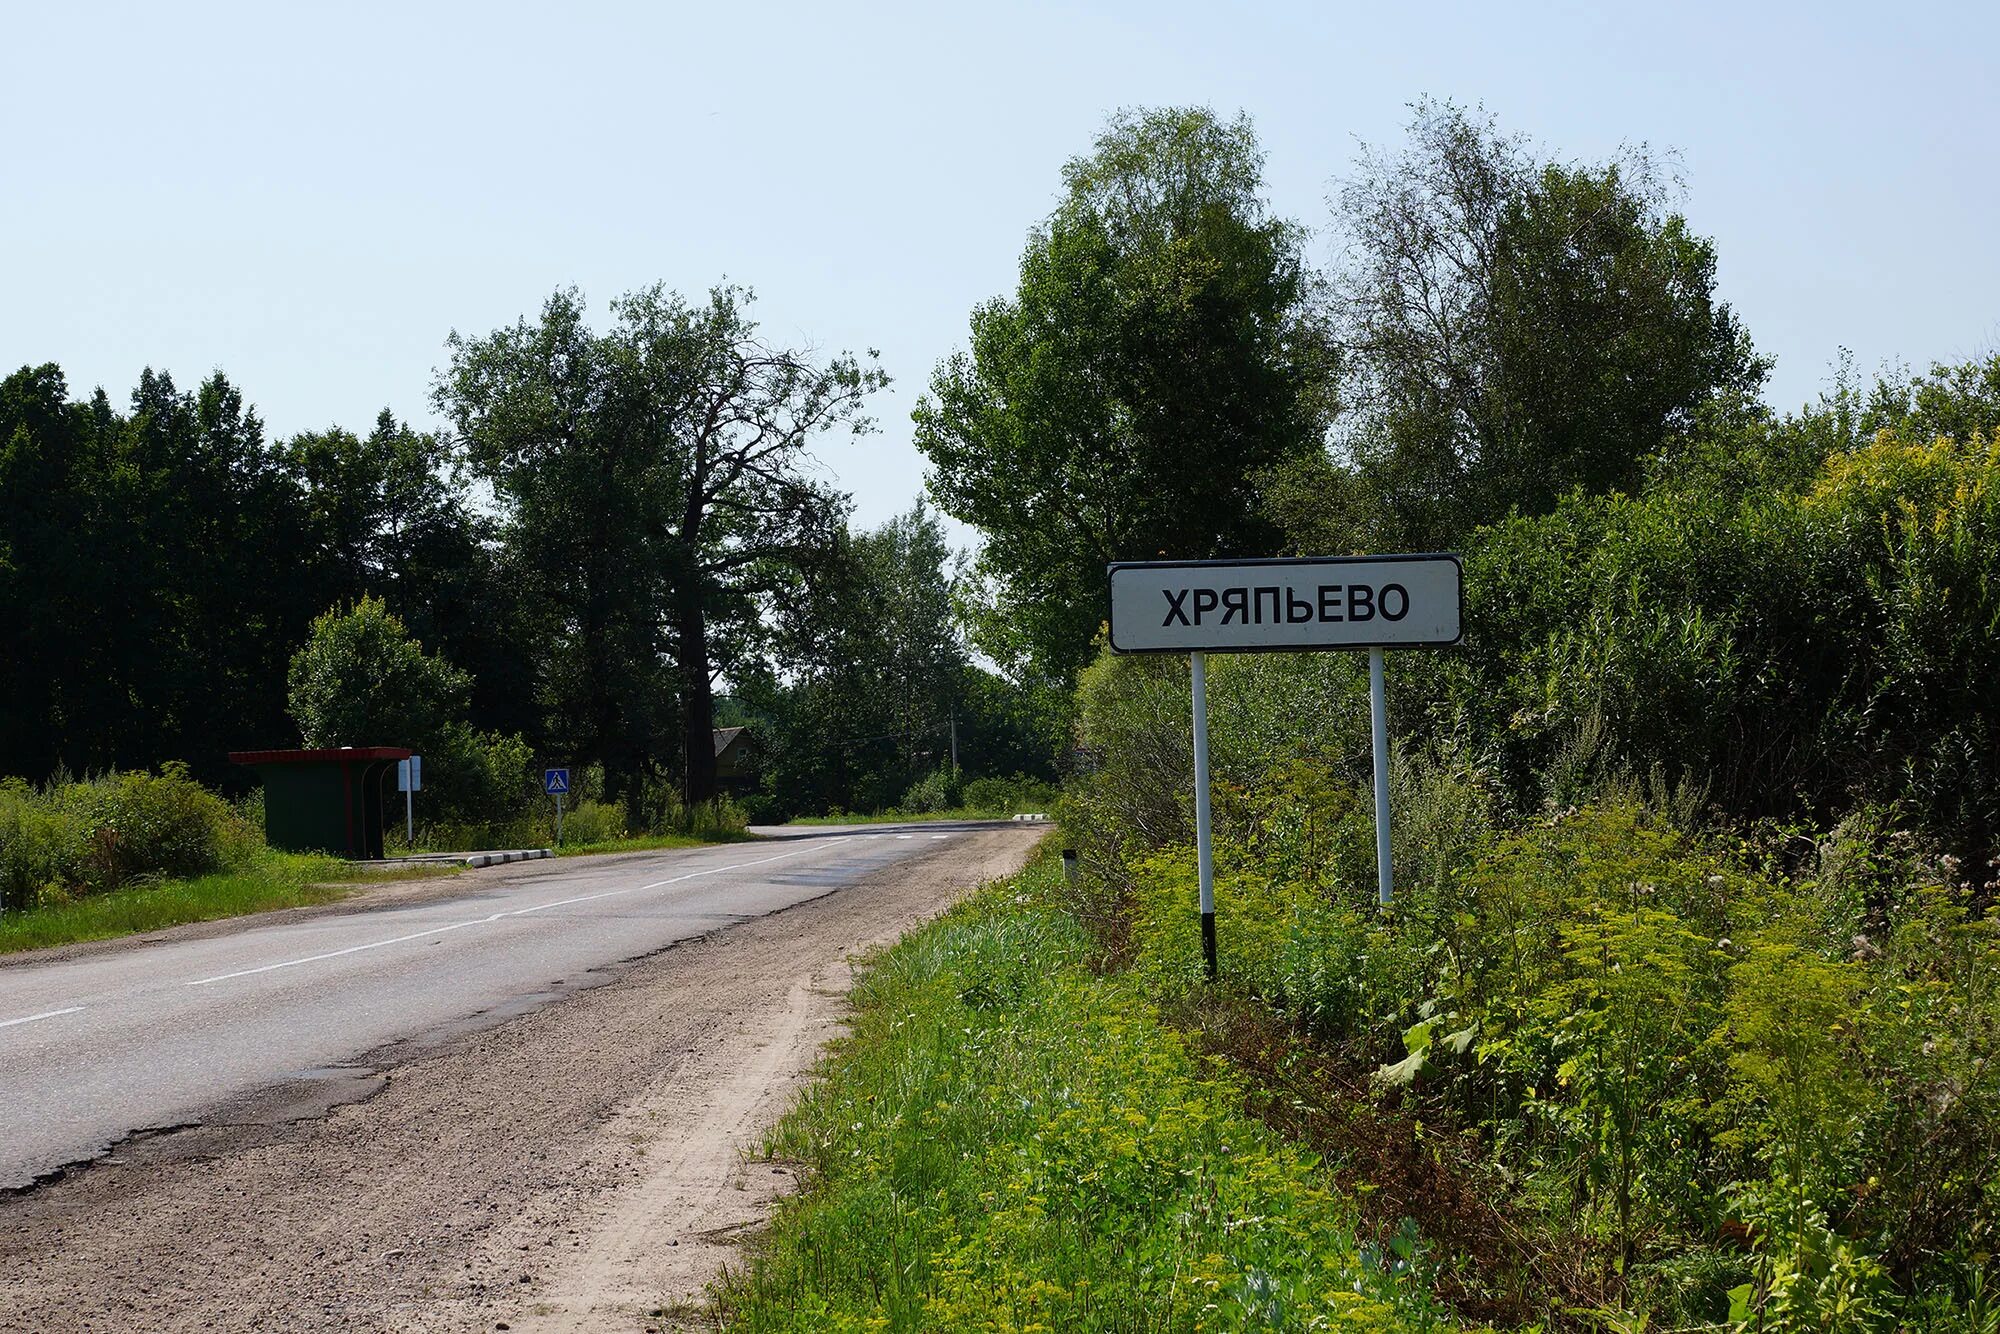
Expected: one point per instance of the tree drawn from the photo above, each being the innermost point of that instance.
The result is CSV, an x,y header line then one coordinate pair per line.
x,y
45,442
1164,349
1515,329
875,679
360,680
151,572
910,634
390,516
659,503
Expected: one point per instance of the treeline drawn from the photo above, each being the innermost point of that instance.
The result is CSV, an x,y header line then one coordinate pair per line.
x,y
617,524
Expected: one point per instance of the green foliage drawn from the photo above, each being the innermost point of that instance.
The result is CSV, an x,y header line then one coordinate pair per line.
x,y
879,690
1651,1039
1799,1094
935,791
155,570
70,839
1672,1046
593,822
1010,1142
44,849
1164,347
475,776
360,680
660,513
1008,796
1515,330
1775,654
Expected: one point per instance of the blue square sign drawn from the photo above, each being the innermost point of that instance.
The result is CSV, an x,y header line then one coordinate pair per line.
x,y
555,782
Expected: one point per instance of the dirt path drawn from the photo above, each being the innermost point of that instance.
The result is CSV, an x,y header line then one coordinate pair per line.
x,y
580,1167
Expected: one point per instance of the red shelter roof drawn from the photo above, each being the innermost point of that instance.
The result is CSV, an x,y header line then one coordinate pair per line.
x,y
333,755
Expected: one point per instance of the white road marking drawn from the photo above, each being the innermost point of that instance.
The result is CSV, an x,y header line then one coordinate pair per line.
x,y
482,921
906,836
940,835
45,1014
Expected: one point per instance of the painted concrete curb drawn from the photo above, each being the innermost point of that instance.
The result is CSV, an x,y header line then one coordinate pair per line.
x,y
502,858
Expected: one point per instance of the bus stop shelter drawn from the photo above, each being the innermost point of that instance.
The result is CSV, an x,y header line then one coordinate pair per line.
x,y
325,800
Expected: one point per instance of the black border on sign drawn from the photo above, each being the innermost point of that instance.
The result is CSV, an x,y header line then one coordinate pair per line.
x,y
1454,557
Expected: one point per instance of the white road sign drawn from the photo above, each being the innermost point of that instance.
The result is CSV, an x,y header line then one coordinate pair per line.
x,y
1330,602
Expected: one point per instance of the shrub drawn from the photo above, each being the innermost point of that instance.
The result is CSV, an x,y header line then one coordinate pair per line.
x,y
1008,796
475,777
360,680
40,847
82,837
935,791
147,824
593,822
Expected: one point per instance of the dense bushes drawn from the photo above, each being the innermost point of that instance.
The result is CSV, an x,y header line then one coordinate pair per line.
x,y
1664,1046
72,838
1788,652
942,790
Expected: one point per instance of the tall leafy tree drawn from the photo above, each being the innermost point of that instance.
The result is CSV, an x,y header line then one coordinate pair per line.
x,y
1514,328
660,502
361,680
1165,348
908,639
877,676
391,516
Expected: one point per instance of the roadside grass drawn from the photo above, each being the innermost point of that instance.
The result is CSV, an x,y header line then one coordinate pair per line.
x,y
1010,1142
268,880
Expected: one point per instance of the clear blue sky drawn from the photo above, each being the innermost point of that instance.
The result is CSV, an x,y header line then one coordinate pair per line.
x,y
311,199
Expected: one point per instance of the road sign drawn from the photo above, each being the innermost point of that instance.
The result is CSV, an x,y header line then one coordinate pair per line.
x,y
555,782
1286,605
1198,607
410,774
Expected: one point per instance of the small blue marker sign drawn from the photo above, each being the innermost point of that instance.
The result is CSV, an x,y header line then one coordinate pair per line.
x,y
555,782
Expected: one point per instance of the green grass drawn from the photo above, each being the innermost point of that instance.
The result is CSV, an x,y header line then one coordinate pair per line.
x,y
1009,1142
907,817
271,880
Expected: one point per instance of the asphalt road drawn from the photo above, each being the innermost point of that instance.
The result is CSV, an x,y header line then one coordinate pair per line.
x,y
98,1047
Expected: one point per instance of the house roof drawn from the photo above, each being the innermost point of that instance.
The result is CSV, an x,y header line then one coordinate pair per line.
x,y
724,736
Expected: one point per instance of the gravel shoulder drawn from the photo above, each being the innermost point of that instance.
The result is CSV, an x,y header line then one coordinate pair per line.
x,y
578,1166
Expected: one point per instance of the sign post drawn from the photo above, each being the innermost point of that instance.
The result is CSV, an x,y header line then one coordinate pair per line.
x,y
1378,725
555,783
409,778
1286,606
1204,859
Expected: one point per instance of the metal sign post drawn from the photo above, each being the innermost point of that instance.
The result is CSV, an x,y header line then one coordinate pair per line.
x,y
555,782
1286,606
410,777
1204,858
1378,723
